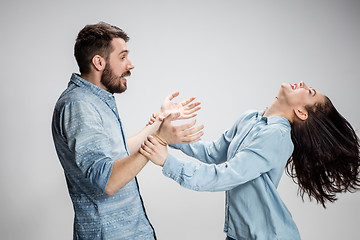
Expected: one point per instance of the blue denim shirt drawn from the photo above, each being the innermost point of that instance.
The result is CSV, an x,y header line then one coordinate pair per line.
x,y
247,162
89,137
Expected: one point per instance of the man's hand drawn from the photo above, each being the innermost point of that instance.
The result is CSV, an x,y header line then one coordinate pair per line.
x,y
154,151
185,133
186,111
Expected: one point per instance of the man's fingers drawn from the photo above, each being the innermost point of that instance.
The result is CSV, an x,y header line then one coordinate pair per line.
x,y
192,105
187,112
186,102
172,116
187,116
173,95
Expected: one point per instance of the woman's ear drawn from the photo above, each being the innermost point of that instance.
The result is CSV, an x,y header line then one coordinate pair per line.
x,y
301,113
98,62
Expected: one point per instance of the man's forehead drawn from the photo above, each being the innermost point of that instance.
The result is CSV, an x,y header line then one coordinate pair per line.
x,y
119,44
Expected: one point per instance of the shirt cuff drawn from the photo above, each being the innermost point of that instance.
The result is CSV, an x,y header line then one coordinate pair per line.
x,y
172,167
175,146
99,173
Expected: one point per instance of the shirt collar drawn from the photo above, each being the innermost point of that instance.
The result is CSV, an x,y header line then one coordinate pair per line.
x,y
101,93
273,119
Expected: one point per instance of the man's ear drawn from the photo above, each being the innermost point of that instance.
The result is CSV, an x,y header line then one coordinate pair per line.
x,y
98,62
301,113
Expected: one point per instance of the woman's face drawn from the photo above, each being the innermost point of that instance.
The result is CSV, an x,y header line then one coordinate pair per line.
x,y
299,95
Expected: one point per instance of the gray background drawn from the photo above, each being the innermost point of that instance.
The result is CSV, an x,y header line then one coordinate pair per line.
x,y
232,55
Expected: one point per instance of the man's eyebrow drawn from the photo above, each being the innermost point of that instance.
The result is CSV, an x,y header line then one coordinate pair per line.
x,y
124,51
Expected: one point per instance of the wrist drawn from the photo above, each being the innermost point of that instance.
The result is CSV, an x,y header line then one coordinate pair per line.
x,y
161,115
154,121
163,162
160,139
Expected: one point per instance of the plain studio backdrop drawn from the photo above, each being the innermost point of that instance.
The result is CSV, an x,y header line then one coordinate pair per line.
x,y
232,55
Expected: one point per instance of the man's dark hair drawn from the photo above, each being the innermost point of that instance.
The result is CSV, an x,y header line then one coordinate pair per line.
x,y
326,155
95,40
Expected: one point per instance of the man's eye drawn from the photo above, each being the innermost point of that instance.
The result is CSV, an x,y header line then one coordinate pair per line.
x,y
309,91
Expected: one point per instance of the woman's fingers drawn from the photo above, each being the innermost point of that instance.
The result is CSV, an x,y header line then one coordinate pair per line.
x,y
144,150
187,125
146,147
153,141
193,138
191,131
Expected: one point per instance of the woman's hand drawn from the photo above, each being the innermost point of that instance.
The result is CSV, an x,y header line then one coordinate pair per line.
x,y
154,151
179,134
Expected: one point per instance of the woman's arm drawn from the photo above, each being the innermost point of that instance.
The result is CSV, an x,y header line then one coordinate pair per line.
x,y
268,149
207,152
212,152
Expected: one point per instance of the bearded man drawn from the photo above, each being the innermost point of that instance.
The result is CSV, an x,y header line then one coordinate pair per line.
x,y
100,164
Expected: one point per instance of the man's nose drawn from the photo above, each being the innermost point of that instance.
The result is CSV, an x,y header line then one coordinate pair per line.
x,y
130,65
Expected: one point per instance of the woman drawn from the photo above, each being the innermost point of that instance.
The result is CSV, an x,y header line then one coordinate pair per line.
x,y
300,130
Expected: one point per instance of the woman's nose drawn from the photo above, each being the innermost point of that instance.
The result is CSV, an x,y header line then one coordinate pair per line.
x,y
302,84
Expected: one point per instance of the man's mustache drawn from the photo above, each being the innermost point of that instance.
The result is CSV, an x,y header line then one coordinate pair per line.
x,y
127,74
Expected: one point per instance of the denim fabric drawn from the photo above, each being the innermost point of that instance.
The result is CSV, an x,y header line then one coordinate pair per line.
x,y
88,138
247,162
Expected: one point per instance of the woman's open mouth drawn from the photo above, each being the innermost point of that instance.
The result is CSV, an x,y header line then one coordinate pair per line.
x,y
294,86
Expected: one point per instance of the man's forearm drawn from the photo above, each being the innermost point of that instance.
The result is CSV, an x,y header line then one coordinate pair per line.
x,y
123,171
134,142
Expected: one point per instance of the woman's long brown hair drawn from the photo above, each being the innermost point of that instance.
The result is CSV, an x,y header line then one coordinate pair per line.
x,y
326,155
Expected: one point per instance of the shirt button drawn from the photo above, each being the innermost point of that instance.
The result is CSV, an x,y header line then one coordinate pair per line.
x,y
169,174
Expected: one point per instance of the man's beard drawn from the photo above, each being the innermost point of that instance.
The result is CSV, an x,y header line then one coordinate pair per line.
x,y
113,82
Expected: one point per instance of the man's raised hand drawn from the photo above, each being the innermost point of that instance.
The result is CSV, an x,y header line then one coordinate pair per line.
x,y
185,109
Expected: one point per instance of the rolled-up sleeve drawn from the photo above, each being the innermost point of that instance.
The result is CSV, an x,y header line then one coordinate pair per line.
x,y
86,138
259,157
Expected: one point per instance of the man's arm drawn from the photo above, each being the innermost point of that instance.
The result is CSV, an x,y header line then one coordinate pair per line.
x,y
127,168
82,128
135,141
123,171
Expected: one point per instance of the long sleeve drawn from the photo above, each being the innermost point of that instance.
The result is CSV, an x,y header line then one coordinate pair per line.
x,y
82,127
212,152
259,157
207,152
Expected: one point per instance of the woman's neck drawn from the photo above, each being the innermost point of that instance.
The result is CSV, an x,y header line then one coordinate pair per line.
x,y
278,109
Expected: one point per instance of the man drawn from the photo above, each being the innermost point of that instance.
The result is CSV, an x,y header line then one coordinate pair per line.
x,y
100,165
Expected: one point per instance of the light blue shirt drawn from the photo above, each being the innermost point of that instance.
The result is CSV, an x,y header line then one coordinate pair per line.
x,y
88,138
247,162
